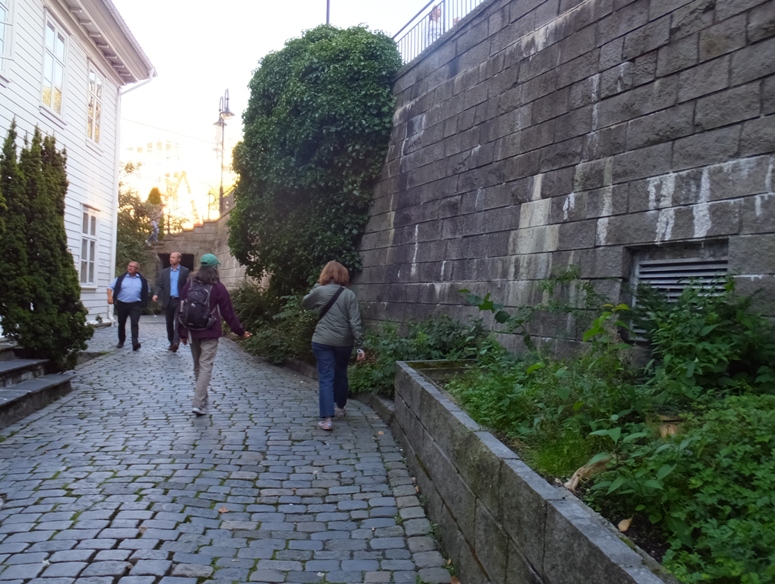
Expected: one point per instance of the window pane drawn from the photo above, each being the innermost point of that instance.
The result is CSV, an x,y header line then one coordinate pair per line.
x,y
97,120
84,270
57,101
85,222
99,87
60,47
50,37
93,227
92,82
91,271
59,74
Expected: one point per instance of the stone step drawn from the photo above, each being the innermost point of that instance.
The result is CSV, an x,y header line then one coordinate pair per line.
x,y
6,351
27,397
17,370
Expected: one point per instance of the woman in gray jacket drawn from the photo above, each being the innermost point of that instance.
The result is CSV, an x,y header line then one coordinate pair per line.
x,y
338,330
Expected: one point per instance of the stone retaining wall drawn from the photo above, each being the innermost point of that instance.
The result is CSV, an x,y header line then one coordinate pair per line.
x,y
499,521
542,134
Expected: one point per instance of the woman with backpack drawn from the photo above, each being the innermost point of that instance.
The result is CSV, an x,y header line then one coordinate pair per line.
x,y
203,302
338,330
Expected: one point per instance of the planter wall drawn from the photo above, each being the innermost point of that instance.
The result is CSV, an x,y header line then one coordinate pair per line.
x,y
499,521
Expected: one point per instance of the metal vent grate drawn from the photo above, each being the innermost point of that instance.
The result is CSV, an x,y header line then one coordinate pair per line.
x,y
673,276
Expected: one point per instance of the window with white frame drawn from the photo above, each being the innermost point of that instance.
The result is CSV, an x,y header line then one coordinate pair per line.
x,y
5,34
53,67
89,246
94,114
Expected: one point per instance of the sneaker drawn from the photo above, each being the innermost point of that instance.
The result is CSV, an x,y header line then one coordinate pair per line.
x,y
120,345
199,411
325,424
136,347
339,412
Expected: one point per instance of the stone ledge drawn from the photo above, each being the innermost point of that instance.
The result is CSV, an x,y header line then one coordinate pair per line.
x,y
499,520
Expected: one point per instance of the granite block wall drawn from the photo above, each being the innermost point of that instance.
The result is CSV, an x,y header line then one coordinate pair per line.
x,y
542,134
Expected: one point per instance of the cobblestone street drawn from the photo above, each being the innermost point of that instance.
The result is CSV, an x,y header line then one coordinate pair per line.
x,y
119,483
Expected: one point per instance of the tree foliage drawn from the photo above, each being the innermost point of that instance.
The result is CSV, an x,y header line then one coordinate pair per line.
x,y
316,132
40,301
134,224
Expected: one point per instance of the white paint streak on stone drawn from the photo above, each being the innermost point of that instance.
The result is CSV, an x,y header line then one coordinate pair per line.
x,y
608,202
414,257
537,182
768,178
701,211
661,190
443,266
400,110
608,171
537,40
665,224
568,206
602,230
535,213
594,117
478,202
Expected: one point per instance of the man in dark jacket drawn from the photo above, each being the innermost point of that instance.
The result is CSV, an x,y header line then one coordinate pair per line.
x,y
204,343
129,292
169,286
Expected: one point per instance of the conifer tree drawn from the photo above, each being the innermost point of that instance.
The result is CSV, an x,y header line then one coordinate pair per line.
x,y
15,284
45,316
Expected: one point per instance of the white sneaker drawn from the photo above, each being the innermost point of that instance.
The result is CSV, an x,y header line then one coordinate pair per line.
x,y
199,411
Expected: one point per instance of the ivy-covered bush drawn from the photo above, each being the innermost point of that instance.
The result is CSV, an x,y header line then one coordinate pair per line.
x,y
40,299
317,127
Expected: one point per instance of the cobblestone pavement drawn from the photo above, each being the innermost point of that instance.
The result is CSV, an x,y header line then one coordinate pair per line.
x,y
119,483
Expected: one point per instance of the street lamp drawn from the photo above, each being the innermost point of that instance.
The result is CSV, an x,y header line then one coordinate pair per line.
x,y
224,113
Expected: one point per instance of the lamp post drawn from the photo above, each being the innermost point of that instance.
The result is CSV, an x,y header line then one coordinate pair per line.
x,y
224,113
328,11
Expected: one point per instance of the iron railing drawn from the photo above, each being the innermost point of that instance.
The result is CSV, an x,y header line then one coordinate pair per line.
x,y
429,24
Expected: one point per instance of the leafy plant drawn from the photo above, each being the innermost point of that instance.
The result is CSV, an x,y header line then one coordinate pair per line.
x,y
281,328
436,338
711,487
316,131
705,346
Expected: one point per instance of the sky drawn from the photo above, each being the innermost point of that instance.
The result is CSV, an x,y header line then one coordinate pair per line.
x,y
201,48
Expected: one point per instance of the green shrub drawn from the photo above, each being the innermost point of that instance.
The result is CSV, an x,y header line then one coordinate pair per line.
x,y
705,347
436,338
281,328
713,488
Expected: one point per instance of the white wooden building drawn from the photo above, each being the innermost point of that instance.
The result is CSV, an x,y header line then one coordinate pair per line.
x,y
63,67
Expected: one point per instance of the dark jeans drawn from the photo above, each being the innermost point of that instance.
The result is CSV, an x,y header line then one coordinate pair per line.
x,y
171,312
332,376
133,310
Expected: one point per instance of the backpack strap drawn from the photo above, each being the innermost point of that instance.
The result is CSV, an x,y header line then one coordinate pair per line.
x,y
330,303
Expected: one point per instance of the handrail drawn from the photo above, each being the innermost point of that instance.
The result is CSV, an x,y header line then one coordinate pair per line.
x,y
429,24
423,9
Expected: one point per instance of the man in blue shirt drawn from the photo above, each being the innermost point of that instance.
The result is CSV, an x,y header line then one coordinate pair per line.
x,y
129,292
169,285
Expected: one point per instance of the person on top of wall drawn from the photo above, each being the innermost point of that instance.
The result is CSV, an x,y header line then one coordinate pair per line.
x,y
204,300
129,292
338,329
169,286
434,23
